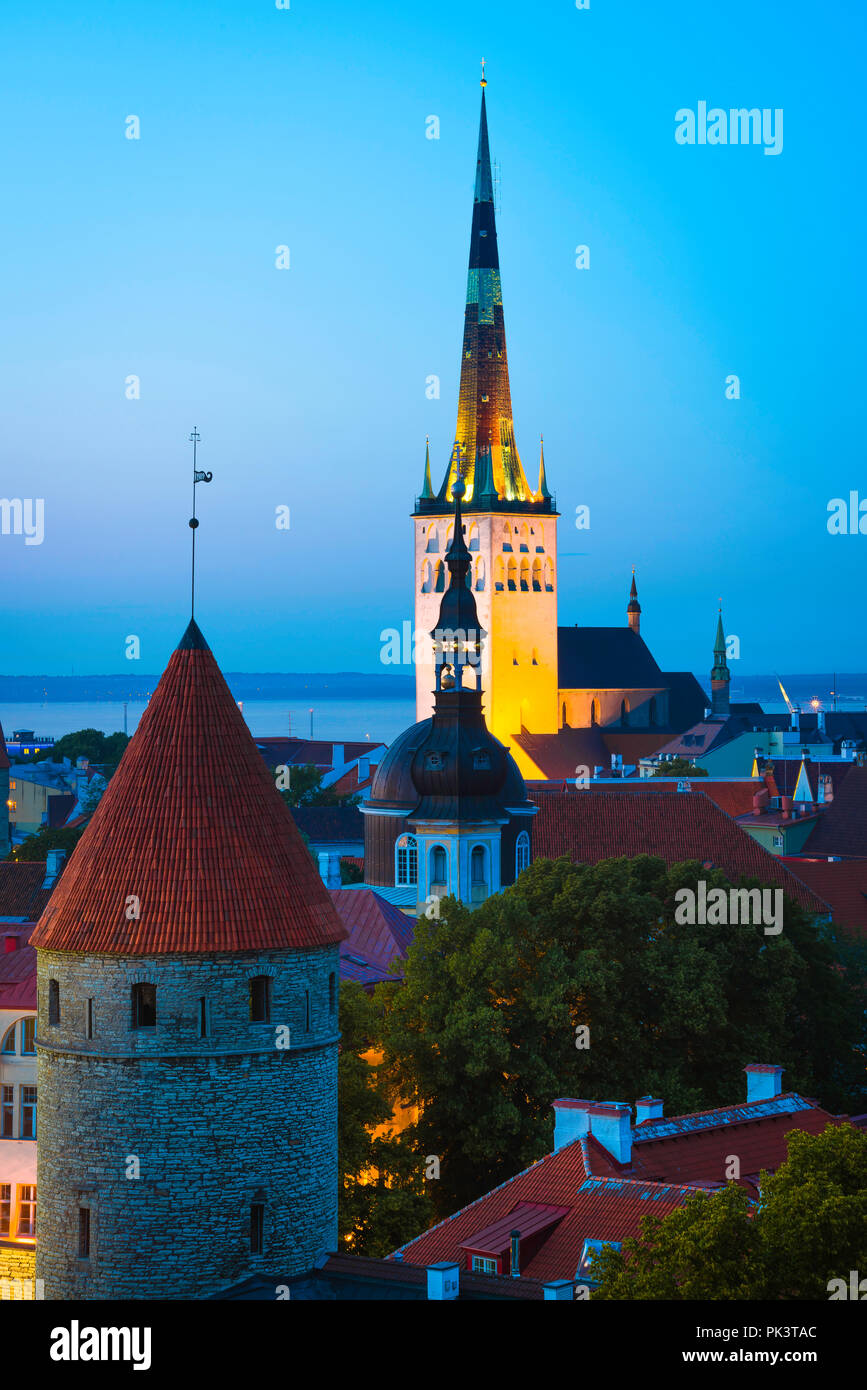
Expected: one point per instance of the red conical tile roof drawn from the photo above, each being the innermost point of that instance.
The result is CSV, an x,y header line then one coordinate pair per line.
x,y
192,825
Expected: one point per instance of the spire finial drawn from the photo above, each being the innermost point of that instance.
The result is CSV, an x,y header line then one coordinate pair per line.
x,y
198,477
484,82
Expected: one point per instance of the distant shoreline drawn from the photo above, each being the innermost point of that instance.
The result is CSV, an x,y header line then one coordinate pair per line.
x,y
343,685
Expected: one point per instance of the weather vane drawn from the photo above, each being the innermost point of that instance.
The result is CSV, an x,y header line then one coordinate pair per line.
x,y
198,477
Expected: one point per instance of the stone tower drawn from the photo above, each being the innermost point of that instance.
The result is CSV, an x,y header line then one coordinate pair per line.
x,y
510,529
720,676
187,1020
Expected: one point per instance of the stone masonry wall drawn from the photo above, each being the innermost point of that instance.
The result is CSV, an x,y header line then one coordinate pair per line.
x,y
214,1123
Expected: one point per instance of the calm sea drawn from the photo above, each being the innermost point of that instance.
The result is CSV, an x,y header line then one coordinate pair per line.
x,y
379,720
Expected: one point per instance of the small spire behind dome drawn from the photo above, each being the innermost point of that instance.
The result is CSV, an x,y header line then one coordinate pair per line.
x,y
633,607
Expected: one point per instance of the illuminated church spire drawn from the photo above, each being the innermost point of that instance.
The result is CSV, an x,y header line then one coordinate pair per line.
x,y
485,400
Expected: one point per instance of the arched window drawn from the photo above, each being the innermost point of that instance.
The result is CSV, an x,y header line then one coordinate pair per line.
x,y
507,537
525,537
480,572
260,999
549,575
564,714
478,874
9,1040
537,576
540,537
594,712
522,853
433,544
499,574
426,577
332,992
307,1011
406,862
450,531
440,573
512,575
53,1002
624,712
525,576
439,868
474,537
144,1006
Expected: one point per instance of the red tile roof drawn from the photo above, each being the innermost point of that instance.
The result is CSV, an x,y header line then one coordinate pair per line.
x,y
842,883
591,825
21,891
193,826
17,968
605,1200
599,1208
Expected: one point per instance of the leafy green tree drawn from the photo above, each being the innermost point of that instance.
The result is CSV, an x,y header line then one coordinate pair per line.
x,y
92,744
306,789
37,845
382,1201
679,767
578,981
809,1228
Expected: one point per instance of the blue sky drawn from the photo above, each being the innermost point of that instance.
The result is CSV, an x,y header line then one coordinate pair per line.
x,y
306,127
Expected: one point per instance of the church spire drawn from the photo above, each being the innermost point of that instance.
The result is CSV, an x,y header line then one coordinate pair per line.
x,y
458,635
633,608
542,490
485,400
720,676
427,490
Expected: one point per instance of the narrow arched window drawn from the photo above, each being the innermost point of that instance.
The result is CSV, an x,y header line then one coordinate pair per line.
x,y
522,853
439,867
9,1040
480,573
478,874
525,576
260,999
474,537
433,544
499,574
440,580
53,1002
624,712
307,1011
537,576
512,575
594,712
426,577
257,1228
144,1006
549,575
332,992
525,537
406,867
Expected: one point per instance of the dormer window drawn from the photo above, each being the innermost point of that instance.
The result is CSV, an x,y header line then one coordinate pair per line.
x,y
481,761
433,760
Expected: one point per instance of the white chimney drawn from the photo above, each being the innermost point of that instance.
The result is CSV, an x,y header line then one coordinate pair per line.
x,y
337,755
329,868
443,1281
610,1123
363,768
763,1082
646,1108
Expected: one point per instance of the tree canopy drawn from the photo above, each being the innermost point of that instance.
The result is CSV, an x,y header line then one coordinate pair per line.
x,y
578,981
679,767
305,789
92,744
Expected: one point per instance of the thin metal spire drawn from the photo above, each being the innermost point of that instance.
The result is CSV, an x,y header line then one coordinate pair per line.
x,y
198,477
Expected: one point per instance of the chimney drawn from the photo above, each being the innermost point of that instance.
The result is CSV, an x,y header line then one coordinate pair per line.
x,y
821,721
763,1082
570,1121
363,768
515,1238
786,807
560,1289
795,724
443,1282
53,862
646,1108
338,758
329,868
10,943
609,1122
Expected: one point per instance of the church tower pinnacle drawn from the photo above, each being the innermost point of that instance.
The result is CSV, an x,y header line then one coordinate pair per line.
x,y
720,676
633,607
509,528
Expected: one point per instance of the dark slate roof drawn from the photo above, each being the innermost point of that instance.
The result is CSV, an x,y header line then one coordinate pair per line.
x,y
337,824
842,828
605,658
354,1278
378,932
687,700
842,883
